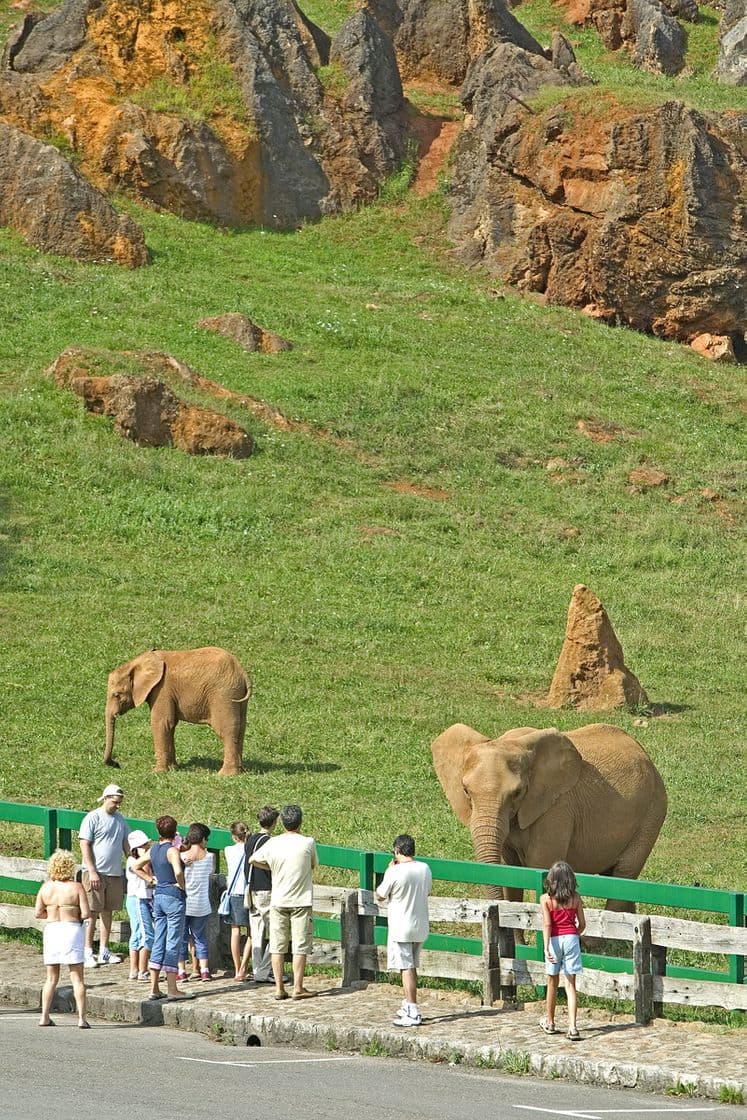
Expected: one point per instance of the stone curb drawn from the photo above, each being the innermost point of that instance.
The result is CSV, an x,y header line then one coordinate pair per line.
x,y
279,1030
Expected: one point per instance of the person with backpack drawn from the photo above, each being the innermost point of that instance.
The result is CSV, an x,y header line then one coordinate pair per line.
x,y
257,900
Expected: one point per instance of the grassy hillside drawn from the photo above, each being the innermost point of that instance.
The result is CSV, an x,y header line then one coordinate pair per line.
x,y
381,588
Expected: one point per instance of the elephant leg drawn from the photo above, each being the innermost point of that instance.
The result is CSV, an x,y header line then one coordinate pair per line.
x,y
231,734
513,894
163,742
632,859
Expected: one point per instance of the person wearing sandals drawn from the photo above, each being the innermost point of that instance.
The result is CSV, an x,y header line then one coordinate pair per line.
x,y
198,866
257,901
290,858
64,904
563,922
169,906
140,883
236,880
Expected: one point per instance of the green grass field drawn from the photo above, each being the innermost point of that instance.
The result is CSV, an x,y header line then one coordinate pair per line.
x,y
380,589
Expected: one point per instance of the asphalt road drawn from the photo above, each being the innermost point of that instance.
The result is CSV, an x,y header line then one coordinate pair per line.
x,y
134,1072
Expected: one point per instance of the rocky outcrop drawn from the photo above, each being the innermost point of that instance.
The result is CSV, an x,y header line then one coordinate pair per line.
x,y
250,336
372,101
44,198
146,411
209,108
731,68
564,59
648,29
657,39
439,39
635,216
591,671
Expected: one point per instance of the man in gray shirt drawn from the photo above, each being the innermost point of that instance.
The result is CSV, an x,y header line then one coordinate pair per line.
x,y
103,840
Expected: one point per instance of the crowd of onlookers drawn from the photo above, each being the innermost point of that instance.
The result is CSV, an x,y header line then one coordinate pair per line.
x,y
268,903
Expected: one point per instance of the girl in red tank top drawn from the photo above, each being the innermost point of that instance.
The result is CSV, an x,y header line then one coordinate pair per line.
x,y
562,922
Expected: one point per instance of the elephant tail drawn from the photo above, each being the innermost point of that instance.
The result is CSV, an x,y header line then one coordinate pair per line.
x,y
247,694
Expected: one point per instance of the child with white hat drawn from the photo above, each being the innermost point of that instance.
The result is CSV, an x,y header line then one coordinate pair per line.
x,y
140,883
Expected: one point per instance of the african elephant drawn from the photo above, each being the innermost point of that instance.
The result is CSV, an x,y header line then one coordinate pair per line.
x,y
591,797
206,685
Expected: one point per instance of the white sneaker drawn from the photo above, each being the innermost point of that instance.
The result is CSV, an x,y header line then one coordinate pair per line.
x,y
404,1019
105,957
89,961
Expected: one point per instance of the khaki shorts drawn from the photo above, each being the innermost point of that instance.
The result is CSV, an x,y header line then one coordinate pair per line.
x,y
403,954
108,897
291,926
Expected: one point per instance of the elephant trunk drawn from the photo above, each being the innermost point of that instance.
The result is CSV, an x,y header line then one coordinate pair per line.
x,y
488,836
109,749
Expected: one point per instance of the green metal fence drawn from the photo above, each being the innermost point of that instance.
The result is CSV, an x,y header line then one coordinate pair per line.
x,y
58,826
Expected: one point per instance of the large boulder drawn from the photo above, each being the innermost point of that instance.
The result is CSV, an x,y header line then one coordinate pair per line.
x,y
659,42
372,102
649,30
43,197
210,108
591,673
250,336
146,411
731,68
635,216
440,38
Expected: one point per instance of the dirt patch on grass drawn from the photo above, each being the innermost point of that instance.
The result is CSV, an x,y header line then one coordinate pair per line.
x,y
431,492
435,136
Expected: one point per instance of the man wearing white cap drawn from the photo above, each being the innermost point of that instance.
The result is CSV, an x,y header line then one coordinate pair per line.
x,y
103,841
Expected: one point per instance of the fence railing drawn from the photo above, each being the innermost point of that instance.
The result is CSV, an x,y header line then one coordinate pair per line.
x,y
646,976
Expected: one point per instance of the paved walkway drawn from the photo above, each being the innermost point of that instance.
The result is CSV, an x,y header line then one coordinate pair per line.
x,y
613,1051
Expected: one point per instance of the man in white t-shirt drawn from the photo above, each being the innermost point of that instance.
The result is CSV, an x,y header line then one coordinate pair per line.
x,y
291,859
406,884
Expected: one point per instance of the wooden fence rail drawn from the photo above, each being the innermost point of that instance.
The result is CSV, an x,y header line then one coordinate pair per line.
x,y
361,951
351,931
500,972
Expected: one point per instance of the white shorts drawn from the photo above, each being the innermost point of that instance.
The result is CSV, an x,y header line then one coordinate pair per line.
x,y
402,954
63,943
567,952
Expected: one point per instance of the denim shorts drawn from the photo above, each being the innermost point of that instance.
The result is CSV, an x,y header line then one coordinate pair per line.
x,y
567,952
239,913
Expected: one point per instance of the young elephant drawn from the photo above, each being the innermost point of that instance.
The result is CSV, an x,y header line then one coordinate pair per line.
x,y
206,685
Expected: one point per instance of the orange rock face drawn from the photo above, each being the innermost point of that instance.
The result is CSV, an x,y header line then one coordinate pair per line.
x,y
145,410
208,108
591,673
635,216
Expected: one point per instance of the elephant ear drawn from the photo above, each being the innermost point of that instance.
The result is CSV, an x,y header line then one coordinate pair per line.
x,y
146,672
449,751
554,768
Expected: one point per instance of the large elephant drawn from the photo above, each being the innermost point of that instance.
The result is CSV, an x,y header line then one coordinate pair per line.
x,y
206,685
592,797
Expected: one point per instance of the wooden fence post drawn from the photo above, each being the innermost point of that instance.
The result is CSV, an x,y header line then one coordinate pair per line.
x,y
350,941
367,936
658,968
643,981
491,954
497,942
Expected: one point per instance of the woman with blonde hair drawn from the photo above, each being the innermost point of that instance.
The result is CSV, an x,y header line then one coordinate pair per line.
x,y
64,904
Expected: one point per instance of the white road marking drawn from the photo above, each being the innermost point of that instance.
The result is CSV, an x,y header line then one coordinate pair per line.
x,y
597,1113
266,1061
4,1018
